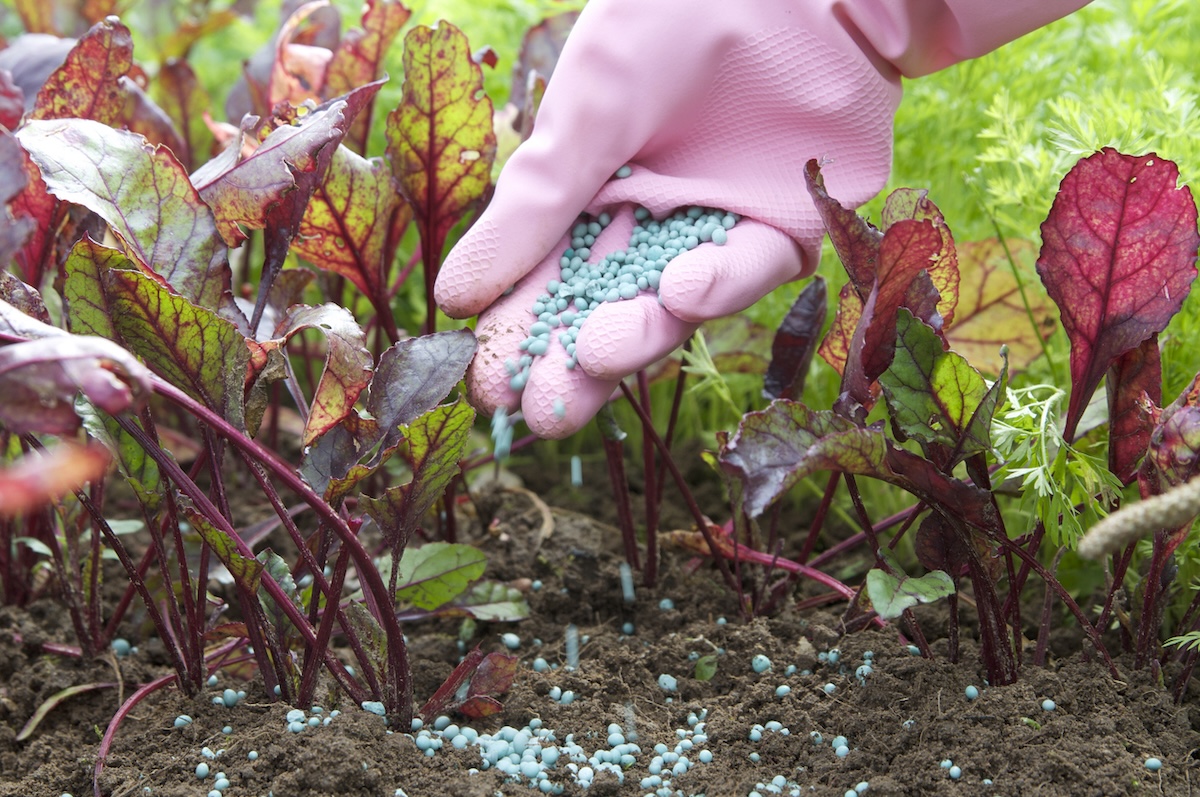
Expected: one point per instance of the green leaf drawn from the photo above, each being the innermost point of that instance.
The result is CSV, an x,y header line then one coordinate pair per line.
x,y
246,571
139,470
433,446
437,573
144,195
52,702
192,347
87,308
934,395
489,602
891,596
706,668
777,447
440,138
370,634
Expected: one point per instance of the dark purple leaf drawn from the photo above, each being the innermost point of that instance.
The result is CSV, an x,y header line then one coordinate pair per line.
x,y
1118,258
540,49
939,546
777,447
179,93
796,342
1174,452
1133,378
855,240
144,117
495,675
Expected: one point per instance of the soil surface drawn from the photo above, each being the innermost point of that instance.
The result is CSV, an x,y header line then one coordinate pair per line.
x,y
901,722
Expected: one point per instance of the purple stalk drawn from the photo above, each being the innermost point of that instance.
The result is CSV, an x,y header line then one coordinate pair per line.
x,y
614,453
651,492
818,521
1043,640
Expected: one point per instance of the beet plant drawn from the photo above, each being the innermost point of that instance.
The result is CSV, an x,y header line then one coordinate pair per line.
x,y
169,310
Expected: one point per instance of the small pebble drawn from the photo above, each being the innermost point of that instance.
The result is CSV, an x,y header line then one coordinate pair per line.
x,y
955,773
783,690
842,751
666,604
1049,705
121,647
829,688
183,720
667,683
1153,764
760,663
202,770
252,755
972,692
511,641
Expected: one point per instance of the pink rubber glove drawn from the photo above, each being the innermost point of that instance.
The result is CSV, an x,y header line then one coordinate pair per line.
x,y
709,104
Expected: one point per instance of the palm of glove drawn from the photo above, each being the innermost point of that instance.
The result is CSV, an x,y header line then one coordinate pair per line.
x,y
721,112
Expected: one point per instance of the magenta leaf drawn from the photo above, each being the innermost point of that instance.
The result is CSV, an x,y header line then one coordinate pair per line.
x,y
1118,258
35,208
144,195
12,101
795,343
39,380
13,231
1174,452
914,203
775,448
1133,379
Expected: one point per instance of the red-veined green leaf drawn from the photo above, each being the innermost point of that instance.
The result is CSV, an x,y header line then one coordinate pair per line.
x,y
1118,258
87,308
143,194
437,573
88,84
358,59
246,571
440,139
190,346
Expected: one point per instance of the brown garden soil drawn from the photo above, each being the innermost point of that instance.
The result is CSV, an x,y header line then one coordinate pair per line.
x,y
900,724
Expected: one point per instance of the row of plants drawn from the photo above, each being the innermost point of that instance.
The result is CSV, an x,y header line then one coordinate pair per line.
x,y
192,307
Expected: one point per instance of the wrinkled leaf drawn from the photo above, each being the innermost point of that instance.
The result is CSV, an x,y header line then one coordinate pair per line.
x,y
40,378
414,375
991,312
891,596
434,443
88,84
855,240
22,297
1118,258
56,699
1174,452
1133,377
180,94
835,348
777,447
142,193
440,139
795,343
494,676
914,203
359,56
191,347
934,395
298,72
437,573
354,223
44,477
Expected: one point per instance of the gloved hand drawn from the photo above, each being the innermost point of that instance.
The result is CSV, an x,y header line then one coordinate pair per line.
x,y
709,104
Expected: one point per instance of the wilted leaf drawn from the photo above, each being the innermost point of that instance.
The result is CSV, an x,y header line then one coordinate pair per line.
x,y
494,676
795,342
22,297
358,59
835,348
354,223
434,443
40,378
855,240
777,447
891,596
934,395
142,193
44,477
991,312
914,203
1118,258
437,573
298,72
192,347
347,369
180,94
1133,377
440,139
1174,452
56,699
413,376
88,84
